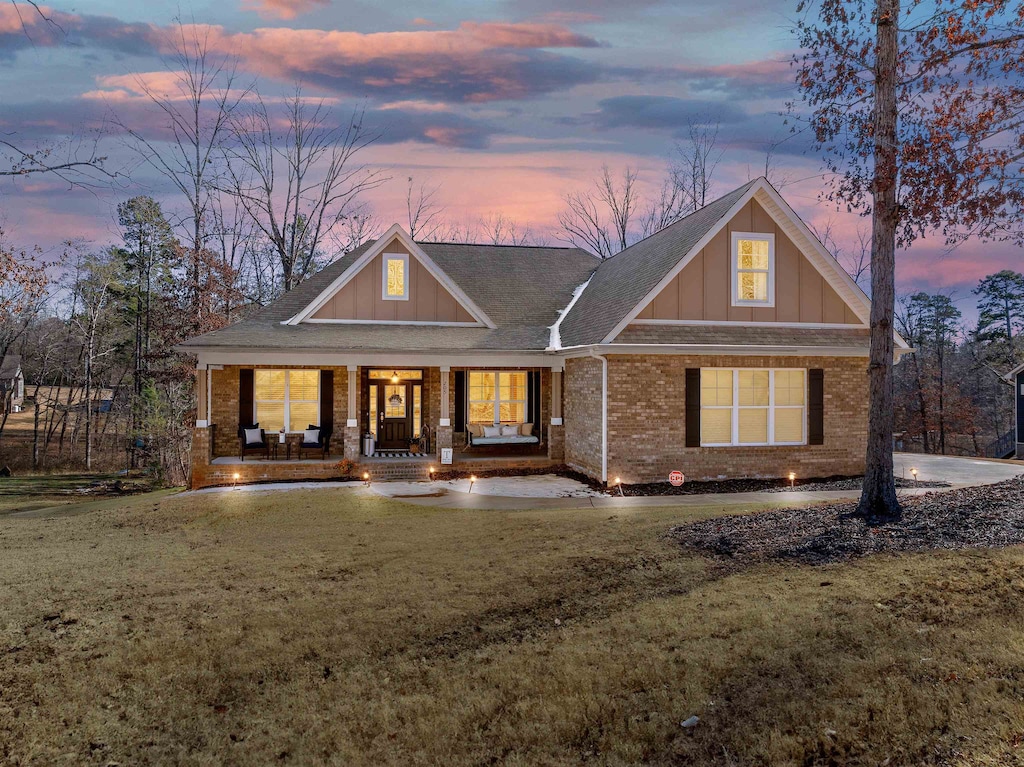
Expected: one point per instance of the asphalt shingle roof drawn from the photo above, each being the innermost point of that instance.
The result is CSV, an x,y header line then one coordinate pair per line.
x,y
720,335
521,289
622,281
9,365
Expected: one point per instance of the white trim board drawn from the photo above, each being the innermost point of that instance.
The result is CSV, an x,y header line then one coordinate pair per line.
x,y
740,323
379,247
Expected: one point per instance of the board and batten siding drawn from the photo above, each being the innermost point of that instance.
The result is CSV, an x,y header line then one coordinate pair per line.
x,y
361,299
702,290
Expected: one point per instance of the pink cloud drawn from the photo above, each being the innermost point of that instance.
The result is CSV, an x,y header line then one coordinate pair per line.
x,y
474,62
282,9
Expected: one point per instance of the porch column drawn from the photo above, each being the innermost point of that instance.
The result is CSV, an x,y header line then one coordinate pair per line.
x,y
556,430
352,423
202,397
444,424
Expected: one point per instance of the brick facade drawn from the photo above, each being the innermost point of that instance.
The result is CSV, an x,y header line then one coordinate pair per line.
x,y
646,434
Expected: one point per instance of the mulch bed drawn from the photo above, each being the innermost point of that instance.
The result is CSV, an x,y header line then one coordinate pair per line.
x,y
771,485
974,517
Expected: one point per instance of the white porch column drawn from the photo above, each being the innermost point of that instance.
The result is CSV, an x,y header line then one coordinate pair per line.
x,y
445,419
556,397
353,416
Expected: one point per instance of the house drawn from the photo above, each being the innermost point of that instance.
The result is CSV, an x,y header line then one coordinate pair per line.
x,y
1016,378
729,344
12,384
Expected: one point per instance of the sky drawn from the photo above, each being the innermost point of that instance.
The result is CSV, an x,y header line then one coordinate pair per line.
x,y
505,105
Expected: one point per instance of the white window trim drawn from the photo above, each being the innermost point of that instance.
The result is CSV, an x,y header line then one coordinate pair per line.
x,y
735,269
735,407
404,258
287,400
497,395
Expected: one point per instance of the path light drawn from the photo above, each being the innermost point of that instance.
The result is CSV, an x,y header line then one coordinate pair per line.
x,y
472,481
237,477
914,472
366,478
792,478
618,483
431,470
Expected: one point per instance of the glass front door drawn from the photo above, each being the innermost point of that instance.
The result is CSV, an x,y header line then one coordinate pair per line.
x,y
394,415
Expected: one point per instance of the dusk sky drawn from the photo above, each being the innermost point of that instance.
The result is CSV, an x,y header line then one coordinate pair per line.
x,y
506,105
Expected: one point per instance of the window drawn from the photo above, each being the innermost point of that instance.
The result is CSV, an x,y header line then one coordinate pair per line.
x,y
753,407
395,277
753,269
497,397
286,397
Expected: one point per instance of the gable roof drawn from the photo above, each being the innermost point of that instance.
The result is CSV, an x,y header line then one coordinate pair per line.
x,y
366,258
520,289
10,365
624,280
624,284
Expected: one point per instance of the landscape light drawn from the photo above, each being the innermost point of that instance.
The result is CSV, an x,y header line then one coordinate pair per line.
x,y
914,472
618,484
366,478
472,481
792,478
431,470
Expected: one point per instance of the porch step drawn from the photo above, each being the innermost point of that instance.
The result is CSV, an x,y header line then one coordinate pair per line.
x,y
385,471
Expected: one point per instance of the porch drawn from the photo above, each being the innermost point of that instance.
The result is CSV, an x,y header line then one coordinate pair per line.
x,y
393,422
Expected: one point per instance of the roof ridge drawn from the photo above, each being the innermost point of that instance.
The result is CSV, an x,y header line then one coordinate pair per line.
x,y
499,245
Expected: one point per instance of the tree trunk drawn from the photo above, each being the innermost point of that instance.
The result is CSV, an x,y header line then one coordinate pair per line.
x,y
878,499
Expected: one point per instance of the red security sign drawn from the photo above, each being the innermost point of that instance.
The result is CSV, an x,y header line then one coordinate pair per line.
x,y
675,478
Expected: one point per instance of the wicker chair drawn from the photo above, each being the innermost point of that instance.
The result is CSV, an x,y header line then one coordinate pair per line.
x,y
323,444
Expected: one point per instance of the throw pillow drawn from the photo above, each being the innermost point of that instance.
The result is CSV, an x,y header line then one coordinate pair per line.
x,y
510,431
527,429
253,436
311,435
477,429
492,431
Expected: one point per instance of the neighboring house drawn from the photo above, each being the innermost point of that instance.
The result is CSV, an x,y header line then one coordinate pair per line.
x,y
12,384
729,344
1016,378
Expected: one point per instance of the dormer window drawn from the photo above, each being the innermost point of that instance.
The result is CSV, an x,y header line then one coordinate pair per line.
x,y
395,277
753,269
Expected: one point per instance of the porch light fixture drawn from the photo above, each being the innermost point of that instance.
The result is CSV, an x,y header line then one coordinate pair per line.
x,y
394,377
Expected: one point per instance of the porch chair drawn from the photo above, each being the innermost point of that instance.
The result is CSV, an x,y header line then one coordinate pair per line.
x,y
247,441
321,443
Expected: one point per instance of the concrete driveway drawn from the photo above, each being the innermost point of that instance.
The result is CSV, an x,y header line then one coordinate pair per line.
x,y
959,471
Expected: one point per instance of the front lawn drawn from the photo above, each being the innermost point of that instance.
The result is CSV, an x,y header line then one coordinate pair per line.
x,y
333,626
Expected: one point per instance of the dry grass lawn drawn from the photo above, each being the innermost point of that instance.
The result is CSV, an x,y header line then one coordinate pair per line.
x,y
333,627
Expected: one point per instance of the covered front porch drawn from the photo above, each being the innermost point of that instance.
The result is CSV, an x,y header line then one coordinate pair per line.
x,y
393,421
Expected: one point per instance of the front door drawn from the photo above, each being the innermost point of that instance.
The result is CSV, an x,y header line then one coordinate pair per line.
x,y
394,415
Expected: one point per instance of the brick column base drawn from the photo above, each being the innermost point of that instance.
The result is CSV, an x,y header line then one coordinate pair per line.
x,y
556,443
444,435
351,443
202,451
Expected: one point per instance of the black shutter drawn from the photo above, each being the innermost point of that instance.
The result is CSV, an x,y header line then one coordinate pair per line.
x,y
327,401
816,407
460,400
534,403
245,397
692,425
1020,406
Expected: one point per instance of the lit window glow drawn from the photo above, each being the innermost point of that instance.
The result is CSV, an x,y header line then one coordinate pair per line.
x,y
753,269
753,407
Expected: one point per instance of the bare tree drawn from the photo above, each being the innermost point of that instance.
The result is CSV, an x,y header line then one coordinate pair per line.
x,y
423,210
855,259
601,218
499,229
198,119
695,159
300,183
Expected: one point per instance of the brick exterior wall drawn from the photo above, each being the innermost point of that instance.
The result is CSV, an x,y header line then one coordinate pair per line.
x,y
581,394
224,407
646,420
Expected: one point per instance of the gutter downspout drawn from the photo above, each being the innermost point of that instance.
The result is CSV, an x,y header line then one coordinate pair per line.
x,y
604,415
